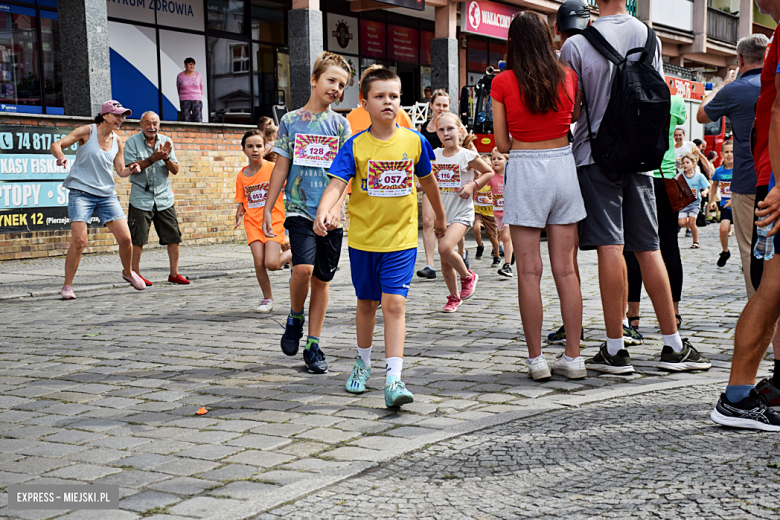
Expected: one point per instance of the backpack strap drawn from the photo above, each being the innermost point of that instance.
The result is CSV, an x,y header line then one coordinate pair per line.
x,y
602,45
649,49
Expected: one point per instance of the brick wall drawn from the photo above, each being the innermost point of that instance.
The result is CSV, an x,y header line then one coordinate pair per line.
x,y
209,158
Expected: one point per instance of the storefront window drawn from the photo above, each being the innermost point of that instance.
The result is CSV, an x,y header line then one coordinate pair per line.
x,y
268,21
19,59
52,70
229,94
263,81
226,15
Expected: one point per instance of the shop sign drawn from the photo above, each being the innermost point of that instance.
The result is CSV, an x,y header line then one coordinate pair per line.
x,y
426,37
373,39
32,197
342,34
183,14
687,89
487,18
404,44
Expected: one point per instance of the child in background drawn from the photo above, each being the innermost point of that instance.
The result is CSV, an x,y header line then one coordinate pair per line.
x,y
722,179
497,187
270,133
700,187
308,140
251,194
456,168
383,237
483,218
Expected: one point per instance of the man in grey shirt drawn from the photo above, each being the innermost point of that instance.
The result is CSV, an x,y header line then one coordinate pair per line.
x,y
151,196
736,99
621,207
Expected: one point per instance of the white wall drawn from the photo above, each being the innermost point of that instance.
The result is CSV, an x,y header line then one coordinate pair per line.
x,y
674,13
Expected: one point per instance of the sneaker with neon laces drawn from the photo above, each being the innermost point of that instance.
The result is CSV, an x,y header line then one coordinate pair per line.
x,y
631,336
751,413
453,302
769,393
147,282
356,384
396,393
538,368
293,332
574,369
67,293
687,359
266,306
134,280
468,285
179,279
314,358
620,363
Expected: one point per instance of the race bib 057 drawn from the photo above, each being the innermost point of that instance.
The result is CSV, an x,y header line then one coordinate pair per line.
x,y
390,178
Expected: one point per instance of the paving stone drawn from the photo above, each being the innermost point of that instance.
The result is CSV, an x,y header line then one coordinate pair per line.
x,y
282,477
130,478
200,507
34,465
185,467
144,462
314,465
259,442
209,452
87,472
409,432
230,472
100,515
327,435
264,459
183,485
148,500
243,490
348,453
377,442
280,430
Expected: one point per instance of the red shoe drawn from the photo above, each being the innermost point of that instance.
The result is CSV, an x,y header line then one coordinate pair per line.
x,y
147,282
178,279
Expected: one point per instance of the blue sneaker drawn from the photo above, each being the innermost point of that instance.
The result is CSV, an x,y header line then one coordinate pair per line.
x,y
293,333
356,383
396,393
631,336
314,358
558,337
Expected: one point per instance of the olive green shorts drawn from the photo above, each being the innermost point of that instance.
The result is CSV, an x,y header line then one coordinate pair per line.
x,y
165,223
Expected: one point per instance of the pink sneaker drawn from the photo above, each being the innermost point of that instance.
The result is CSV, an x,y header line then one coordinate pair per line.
x,y
67,293
468,285
453,302
134,280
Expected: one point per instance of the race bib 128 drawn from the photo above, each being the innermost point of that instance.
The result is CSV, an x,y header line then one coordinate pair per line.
x,y
315,150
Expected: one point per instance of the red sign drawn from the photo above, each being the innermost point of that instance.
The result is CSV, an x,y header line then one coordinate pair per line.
x,y
373,39
477,60
404,43
686,89
487,18
425,47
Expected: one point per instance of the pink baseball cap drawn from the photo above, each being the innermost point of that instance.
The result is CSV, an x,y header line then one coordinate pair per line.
x,y
114,107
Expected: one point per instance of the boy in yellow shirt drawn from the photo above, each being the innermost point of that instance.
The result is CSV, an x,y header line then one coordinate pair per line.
x,y
383,233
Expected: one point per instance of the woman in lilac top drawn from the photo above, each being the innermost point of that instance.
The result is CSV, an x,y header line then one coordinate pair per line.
x,y
190,86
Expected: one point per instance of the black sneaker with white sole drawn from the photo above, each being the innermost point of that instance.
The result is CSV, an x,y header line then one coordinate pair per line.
x,y
480,250
496,261
465,258
506,271
687,359
426,272
751,413
620,363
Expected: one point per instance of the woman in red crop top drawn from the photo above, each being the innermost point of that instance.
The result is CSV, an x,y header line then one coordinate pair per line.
x,y
534,103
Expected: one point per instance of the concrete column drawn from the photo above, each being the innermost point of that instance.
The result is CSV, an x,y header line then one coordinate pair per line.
x,y
86,66
306,42
699,26
745,18
644,11
444,53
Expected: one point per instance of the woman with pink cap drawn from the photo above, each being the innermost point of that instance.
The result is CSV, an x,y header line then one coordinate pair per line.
x,y
90,182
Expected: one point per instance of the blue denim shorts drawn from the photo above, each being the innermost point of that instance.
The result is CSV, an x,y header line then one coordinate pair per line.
x,y
81,206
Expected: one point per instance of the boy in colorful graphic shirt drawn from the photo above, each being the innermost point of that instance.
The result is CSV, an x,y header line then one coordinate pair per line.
x,y
722,179
383,231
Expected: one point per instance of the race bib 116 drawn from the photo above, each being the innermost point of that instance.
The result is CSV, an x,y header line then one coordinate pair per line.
x,y
315,150
390,178
447,175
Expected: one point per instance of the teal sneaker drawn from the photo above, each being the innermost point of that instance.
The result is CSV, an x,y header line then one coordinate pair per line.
x,y
356,383
631,336
396,393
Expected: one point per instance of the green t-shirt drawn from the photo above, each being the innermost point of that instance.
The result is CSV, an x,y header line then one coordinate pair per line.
x,y
678,117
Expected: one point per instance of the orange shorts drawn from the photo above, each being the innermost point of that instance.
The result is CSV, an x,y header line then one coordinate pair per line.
x,y
254,233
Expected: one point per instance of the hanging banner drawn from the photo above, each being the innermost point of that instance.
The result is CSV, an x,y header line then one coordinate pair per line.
x,y
425,47
373,39
404,43
487,18
32,197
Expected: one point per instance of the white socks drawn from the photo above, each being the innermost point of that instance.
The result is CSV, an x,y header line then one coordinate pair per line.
x,y
613,345
674,341
365,355
625,322
394,366
531,360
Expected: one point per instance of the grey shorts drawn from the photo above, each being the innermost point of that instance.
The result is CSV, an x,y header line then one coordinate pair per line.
x,y
540,188
621,210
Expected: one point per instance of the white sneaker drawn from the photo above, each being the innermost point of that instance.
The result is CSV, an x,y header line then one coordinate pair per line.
x,y
574,369
538,368
265,306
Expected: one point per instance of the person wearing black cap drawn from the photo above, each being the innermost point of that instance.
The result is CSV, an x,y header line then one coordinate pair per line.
x,y
573,17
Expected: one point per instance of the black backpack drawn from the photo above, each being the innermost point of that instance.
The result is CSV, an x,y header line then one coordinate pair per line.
x,y
634,133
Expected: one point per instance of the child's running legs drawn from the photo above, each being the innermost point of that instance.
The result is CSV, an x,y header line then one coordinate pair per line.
x,y
725,230
452,262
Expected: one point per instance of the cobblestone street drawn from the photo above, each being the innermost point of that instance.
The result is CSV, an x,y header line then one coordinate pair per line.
x,y
104,389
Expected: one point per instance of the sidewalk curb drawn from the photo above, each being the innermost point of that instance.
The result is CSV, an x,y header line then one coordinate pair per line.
x,y
99,288
298,490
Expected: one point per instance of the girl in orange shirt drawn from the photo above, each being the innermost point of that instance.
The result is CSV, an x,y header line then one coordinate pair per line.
x,y
251,194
